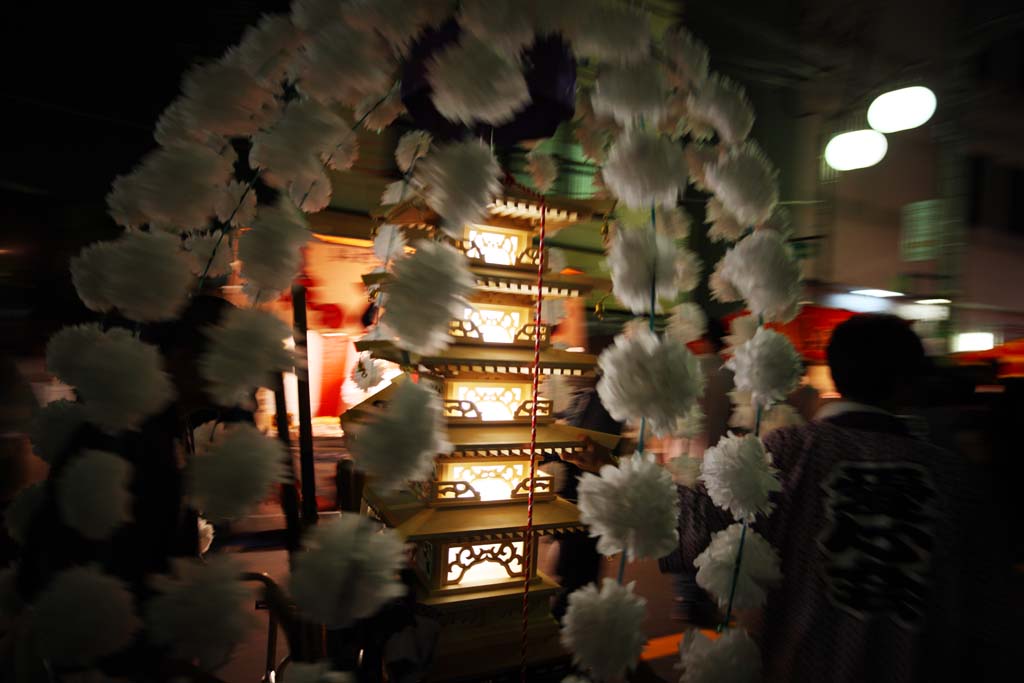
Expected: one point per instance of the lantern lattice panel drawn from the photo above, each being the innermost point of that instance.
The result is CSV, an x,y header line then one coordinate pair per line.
x,y
477,564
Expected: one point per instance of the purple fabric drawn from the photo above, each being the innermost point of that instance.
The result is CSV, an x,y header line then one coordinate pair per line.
x,y
884,555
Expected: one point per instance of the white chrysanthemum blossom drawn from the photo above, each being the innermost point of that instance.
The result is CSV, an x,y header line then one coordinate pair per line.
x,y
767,366
206,534
746,183
631,94
698,156
687,58
54,426
723,105
741,330
543,171
389,243
267,49
744,415
311,191
763,271
311,15
645,168
176,126
314,672
93,495
398,22
593,142
461,178
236,473
144,275
246,348
223,98
733,657
502,24
200,613
759,567
632,508
271,252
646,376
640,258
343,155
673,222
429,290
609,32
472,83
400,445
348,571
367,373
22,508
692,425
739,477
82,616
603,628
174,188
378,112
724,226
688,269
237,204
685,470
400,190
119,379
687,323
340,63
210,254
412,146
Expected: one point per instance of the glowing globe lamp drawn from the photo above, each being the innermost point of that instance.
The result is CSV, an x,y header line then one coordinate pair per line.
x,y
856,149
901,109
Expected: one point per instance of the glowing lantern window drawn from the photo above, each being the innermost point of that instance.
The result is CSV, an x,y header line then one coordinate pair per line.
x,y
493,400
497,324
483,563
488,481
494,245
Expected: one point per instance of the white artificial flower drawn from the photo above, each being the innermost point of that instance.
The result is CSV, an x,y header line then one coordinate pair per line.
x,y
593,142
237,204
82,616
744,415
779,221
692,424
206,534
119,380
733,657
632,94
429,290
687,323
175,126
348,571
763,271
644,168
759,567
204,257
312,15
687,57
412,146
174,188
543,170
93,496
236,473
22,508
144,275
314,672
400,444
389,243
366,373
723,105
685,470
378,112
340,63
724,226
672,221
502,24
200,613
609,32
739,477
745,182
54,426
398,22
639,259
223,98
471,83
400,190
767,366
603,628
311,191
698,156
648,377
741,330
559,473
271,252
245,349
462,178
632,508
267,49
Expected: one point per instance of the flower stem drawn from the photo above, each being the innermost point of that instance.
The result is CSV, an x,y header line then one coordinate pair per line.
x,y
622,566
735,577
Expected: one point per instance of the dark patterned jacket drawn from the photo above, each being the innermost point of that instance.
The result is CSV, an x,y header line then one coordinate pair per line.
x,y
888,567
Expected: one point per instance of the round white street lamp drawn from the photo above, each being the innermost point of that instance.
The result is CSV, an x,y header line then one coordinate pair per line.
x,y
901,109
856,149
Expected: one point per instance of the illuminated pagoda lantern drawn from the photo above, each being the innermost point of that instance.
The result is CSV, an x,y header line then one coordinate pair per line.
x,y
468,524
